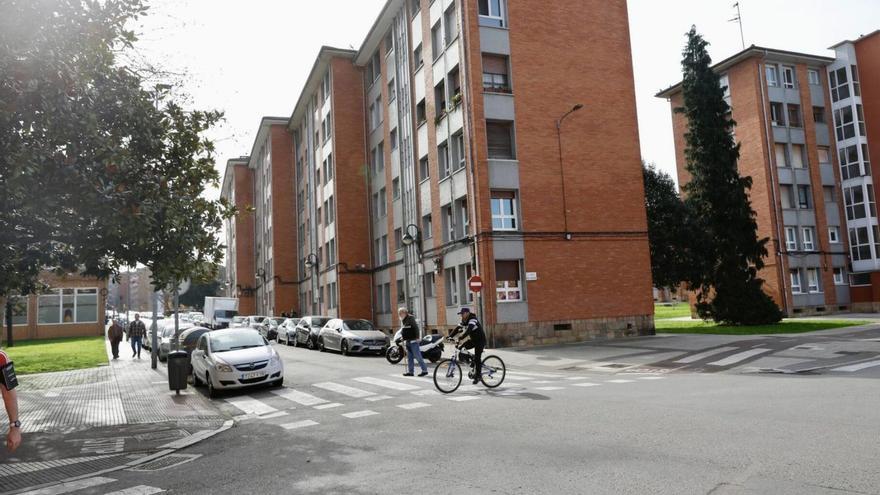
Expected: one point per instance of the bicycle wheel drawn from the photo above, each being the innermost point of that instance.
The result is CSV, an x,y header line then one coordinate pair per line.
x,y
493,371
447,376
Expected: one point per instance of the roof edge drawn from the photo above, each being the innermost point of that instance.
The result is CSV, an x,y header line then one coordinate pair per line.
x,y
324,54
860,38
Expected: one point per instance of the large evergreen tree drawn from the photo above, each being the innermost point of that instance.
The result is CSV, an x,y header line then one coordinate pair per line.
x,y
729,289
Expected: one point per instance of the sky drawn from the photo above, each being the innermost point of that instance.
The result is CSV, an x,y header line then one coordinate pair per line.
x,y
251,59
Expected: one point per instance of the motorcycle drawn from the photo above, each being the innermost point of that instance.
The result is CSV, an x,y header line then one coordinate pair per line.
x,y
431,346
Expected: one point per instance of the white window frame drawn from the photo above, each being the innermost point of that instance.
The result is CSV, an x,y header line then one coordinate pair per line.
x,y
76,292
509,287
813,283
809,237
834,235
503,216
786,71
795,277
839,276
450,276
500,17
774,80
813,77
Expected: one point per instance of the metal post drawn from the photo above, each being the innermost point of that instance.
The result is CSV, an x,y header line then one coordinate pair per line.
x,y
9,342
176,314
154,339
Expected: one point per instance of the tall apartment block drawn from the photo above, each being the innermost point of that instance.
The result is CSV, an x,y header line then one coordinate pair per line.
x,y
803,142
448,146
238,189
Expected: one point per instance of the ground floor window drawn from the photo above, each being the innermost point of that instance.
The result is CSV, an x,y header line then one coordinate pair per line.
x,y
508,283
795,281
839,276
19,310
67,306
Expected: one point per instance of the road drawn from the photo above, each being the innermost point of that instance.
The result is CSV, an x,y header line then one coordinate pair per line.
x,y
354,425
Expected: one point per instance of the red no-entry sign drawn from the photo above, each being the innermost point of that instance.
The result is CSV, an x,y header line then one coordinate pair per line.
x,y
475,283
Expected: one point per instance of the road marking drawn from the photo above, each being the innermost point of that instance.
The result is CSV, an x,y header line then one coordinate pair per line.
x,y
857,367
544,382
547,389
138,490
251,406
651,377
425,392
539,375
740,356
71,486
386,383
300,398
300,424
703,355
113,445
586,384
344,390
328,406
377,398
619,381
359,414
463,398
574,378
274,415
414,405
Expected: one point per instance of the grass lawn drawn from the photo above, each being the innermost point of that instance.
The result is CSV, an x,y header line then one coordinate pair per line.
x,y
786,326
663,311
40,356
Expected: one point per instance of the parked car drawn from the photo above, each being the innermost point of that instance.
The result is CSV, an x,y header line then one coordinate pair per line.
x,y
189,338
147,342
166,343
252,322
269,327
352,336
235,358
238,322
307,331
287,331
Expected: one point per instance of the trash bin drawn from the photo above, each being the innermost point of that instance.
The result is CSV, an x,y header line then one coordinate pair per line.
x,y
178,370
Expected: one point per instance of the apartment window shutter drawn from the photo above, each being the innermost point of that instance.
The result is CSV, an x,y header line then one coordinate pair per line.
x,y
507,270
499,140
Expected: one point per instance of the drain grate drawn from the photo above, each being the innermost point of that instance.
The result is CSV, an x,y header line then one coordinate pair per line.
x,y
167,462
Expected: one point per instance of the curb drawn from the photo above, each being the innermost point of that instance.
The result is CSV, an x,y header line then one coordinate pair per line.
x,y
167,449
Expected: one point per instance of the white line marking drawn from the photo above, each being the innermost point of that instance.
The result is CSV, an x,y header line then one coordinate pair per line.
x,y
300,398
856,367
386,383
425,392
463,398
740,356
574,378
619,381
539,375
71,486
586,384
377,398
275,415
360,414
300,424
544,382
328,406
651,377
250,405
344,390
414,405
138,490
703,355
547,389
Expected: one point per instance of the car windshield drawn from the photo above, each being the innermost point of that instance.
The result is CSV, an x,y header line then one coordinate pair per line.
x,y
359,325
319,322
232,341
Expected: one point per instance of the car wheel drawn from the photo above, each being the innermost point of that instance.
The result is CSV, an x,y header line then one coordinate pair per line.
x,y
279,382
321,345
212,392
195,378
344,348
313,345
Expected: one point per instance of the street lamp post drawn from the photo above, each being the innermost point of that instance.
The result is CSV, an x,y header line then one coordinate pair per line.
x,y
312,262
562,167
413,235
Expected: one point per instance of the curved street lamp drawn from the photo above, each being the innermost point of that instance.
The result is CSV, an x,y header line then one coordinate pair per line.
x,y
562,167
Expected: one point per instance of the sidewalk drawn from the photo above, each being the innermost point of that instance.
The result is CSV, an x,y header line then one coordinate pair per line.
x,y
82,421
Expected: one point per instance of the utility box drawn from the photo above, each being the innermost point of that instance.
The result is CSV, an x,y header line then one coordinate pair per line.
x,y
178,370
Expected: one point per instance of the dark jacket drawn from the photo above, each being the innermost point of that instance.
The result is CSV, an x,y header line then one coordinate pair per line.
x,y
410,329
473,330
137,329
115,332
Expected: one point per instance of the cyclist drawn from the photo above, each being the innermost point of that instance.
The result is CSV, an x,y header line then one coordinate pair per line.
x,y
473,338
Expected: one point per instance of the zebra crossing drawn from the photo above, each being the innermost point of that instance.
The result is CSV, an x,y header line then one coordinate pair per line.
x,y
95,483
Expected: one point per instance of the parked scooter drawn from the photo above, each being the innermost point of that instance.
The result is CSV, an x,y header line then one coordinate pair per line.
x,y
431,346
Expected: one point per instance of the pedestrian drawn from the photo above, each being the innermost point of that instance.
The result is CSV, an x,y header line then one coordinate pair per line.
x,y
115,335
136,332
473,338
10,401
410,334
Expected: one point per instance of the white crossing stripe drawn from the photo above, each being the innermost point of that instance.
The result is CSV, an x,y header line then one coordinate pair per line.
x,y
275,415
740,356
386,383
651,377
359,414
71,486
463,398
328,406
414,405
545,382
300,424
619,381
586,384
300,398
857,367
344,390
138,490
250,405
574,378
547,389
377,398
703,355
425,392
539,375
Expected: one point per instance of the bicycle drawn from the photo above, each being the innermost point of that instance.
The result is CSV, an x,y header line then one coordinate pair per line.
x,y
447,374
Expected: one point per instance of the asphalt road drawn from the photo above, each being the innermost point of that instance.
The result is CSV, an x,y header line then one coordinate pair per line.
x,y
542,432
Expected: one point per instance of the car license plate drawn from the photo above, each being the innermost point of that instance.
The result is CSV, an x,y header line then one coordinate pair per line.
x,y
375,347
253,374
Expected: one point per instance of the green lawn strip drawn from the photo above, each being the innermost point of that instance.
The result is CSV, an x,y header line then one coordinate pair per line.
x,y
663,311
786,326
41,356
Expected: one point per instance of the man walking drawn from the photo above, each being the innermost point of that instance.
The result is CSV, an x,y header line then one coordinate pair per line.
x,y
473,338
136,332
115,334
10,401
410,335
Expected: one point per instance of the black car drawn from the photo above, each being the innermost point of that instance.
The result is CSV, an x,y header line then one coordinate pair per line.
x,y
307,331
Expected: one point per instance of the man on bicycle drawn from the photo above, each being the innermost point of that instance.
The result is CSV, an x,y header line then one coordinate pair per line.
x,y
473,338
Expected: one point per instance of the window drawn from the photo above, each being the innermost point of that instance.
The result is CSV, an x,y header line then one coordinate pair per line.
x,y
440,99
834,235
849,162
398,239
794,116
857,90
791,239
813,76
819,115
492,13
395,188
788,77
872,208
824,155
392,91
424,169
19,310
393,138
458,156
798,156
844,124
809,236
455,86
813,280
839,276
854,201
839,84
374,69
427,227
381,245
383,206
450,22
443,160
860,118
325,86
504,210
859,243
448,224
866,159
724,82
804,200
449,275
857,279
326,213
68,306
507,281
795,281
429,284
378,158
332,300
437,40
401,293
786,196
465,219
421,113
326,129
499,136
777,114
772,76
328,168
465,273
415,6
829,194
331,256
389,42
418,59
496,72
331,210
376,113
781,156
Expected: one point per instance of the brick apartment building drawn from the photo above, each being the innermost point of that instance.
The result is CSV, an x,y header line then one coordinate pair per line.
x,y
808,158
447,146
238,189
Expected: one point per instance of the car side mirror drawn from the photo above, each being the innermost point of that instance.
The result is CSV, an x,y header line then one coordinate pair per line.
x,y
338,330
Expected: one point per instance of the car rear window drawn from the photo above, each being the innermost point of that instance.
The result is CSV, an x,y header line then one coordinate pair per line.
x,y
319,322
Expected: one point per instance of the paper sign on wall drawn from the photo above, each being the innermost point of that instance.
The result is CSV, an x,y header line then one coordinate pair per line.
x,y
530,276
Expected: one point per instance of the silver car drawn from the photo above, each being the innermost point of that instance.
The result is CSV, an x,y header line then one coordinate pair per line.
x,y
352,336
235,358
287,331
166,336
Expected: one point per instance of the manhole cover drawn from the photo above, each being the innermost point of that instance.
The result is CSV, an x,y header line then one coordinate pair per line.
x,y
169,461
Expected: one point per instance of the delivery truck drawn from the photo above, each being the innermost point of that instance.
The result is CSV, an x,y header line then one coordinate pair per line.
x,y
219,311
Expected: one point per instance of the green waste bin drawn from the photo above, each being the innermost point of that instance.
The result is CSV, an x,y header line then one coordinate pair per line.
x,y
178,370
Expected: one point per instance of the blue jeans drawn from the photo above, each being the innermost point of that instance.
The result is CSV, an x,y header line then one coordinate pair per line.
x,y
413,351
136,345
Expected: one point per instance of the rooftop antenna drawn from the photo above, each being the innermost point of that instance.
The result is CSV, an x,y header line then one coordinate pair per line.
x,y
738,19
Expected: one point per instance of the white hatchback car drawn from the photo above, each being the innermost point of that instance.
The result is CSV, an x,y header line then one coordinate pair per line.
x,y
235,358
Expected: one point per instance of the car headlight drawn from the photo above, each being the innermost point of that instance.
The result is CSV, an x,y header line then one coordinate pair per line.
x,y
221,366
275,360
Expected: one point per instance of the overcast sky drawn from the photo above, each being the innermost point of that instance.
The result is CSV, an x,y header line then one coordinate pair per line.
x,y
251,58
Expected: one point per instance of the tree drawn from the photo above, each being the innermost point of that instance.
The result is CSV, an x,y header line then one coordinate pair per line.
x,y
729,289
195,296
